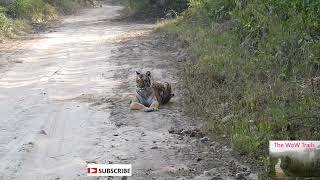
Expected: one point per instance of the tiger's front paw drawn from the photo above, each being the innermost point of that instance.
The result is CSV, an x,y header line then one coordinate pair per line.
x,y
149,109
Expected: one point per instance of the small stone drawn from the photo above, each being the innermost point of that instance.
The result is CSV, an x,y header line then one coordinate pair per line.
x,y
143,134
193,141
119,124
253,176
171,130
154,147
115,134
204,139
169,169
211,172
43,132
207,173
91,162
17,61
240,176
199,159
123,157
182,56
124,178
216,178
228,118
205,153
180,137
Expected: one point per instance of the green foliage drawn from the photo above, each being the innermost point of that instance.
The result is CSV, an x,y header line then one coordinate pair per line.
x,y
35,10
298,168
9,27
271,166
65,6
257,74
138,6
213,10
3,10
16,14
156,8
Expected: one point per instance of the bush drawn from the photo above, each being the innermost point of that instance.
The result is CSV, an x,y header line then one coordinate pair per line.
x,y
35,10
9,27
65,6
156,8
16,14
299,168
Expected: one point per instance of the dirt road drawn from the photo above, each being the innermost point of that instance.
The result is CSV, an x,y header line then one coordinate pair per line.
x,y
64,103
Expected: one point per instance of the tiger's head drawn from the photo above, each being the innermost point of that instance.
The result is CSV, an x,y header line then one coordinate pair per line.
x,y
143,80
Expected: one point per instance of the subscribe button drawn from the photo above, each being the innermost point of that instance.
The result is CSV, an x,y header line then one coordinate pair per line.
x,y
109,169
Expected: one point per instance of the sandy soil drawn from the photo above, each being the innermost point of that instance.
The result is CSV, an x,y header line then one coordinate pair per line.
x,y
64,100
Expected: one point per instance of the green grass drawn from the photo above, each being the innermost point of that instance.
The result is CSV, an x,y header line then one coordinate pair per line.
x,y
137,6
272,161
16,17
152,8
35,10
256,69
10,28
66,6
297,168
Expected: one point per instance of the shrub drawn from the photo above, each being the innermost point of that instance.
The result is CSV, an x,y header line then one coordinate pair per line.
x,y
299,168
35,10
9,27
16,14
156,8
65,6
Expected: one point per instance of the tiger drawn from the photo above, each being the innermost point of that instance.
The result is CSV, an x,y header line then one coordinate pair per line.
x,y
149,95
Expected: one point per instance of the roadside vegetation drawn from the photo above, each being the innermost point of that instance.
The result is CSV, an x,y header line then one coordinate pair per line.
x,y
298,168
255,74
155,8
16,16
8,26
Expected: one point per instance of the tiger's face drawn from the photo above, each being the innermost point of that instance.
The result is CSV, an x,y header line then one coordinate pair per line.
x,y
143,80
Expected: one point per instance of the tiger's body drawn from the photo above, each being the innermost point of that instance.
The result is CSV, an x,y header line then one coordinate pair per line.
x,y
162,91
150,95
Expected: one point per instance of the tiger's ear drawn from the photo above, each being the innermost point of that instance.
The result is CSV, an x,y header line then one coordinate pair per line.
x,y
137,72
148,73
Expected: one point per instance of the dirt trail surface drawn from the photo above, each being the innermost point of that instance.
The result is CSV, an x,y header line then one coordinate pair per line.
x,y
64,100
